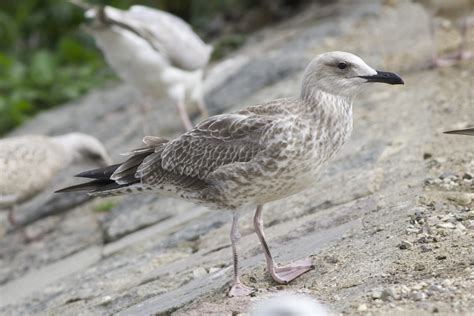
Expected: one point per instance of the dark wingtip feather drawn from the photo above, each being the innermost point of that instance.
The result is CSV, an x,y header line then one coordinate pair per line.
x,y
99,173
467,131
74,188
88,186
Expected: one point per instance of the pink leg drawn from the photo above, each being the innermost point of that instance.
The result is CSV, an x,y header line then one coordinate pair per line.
x,y
237,289
463,54
285,274
202,108
183,114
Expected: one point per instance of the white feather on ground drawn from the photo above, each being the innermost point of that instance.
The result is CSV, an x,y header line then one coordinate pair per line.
x,y
289,305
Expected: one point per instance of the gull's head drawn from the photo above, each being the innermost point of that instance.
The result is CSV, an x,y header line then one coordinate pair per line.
x,y
84,148
96,18
341,73
95,15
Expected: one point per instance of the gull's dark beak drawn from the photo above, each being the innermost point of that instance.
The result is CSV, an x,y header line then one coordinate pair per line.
x,y
467,131
384,77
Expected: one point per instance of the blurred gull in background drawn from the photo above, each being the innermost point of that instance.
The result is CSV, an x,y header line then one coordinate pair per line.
x,y
452,10
154,51
28,164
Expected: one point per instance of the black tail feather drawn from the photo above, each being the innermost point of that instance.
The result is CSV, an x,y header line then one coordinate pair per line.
x,y
88,186
116,176
99,173
130,166
124,175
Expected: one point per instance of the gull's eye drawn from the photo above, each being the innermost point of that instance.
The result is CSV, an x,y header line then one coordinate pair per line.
x,y
342,66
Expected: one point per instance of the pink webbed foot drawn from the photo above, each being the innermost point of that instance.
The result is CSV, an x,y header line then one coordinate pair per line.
x,y
238,289
288,273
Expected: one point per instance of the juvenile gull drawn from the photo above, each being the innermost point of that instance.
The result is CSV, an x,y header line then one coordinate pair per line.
x,y
29,163
250,157
154,51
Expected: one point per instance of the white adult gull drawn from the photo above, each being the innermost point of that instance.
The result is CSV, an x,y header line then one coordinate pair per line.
x,y
251,157
155,52
29,163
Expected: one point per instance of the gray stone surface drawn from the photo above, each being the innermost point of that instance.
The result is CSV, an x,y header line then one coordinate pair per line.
x,y
154,255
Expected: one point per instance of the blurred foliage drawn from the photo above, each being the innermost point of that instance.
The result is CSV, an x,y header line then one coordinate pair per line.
x,y
226,44
105,206
46,59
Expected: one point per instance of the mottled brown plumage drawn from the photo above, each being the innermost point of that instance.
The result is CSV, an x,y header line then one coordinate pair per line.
x,y
253,156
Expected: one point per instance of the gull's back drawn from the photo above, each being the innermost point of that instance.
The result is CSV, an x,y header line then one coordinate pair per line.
x,y
164,34
181,44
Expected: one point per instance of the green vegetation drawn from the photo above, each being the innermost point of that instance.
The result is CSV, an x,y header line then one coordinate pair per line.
x,y
105,206
227,44
45,59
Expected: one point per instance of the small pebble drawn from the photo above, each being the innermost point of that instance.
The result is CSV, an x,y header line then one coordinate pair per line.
x,y
404,289
446,283
199,272
376,294
405,245
419,286
213,270
446,175
435,288
389,294
470,224
464,199
446,225
425,248
379,228
362,308
418,296
419,267
331,259
467,176
105,299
